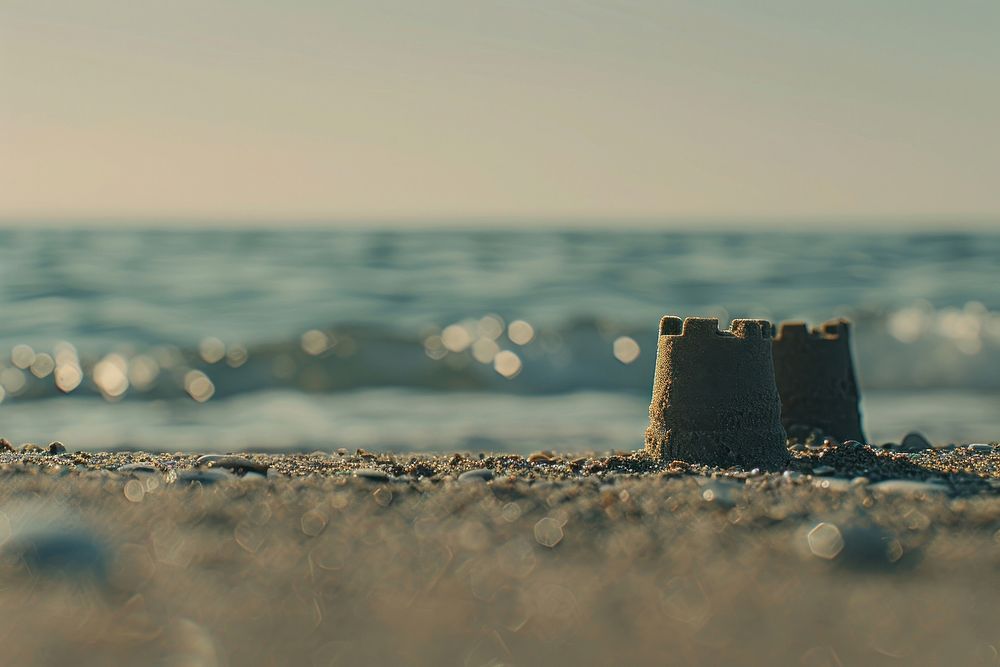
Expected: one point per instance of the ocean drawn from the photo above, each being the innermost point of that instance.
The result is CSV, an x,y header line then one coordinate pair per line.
x,y
459,340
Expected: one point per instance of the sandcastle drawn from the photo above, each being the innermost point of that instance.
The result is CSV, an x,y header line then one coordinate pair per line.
x,y
715,400
814,373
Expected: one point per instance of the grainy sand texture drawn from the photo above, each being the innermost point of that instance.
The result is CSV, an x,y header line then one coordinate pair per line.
x,y
852,556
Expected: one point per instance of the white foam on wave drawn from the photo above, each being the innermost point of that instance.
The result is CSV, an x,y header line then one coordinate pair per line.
x,y
402,419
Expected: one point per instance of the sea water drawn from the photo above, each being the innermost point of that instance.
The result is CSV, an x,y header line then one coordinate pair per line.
x,y
451,339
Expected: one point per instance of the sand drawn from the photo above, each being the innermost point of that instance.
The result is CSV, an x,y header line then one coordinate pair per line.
x,y
853,556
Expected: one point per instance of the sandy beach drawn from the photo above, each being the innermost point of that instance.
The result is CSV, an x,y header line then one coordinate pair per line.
x,y
853,556
483,334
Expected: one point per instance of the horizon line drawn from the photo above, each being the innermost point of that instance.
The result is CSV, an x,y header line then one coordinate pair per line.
x,y
874,223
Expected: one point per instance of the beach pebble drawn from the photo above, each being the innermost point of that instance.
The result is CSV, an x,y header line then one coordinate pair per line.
x,y
721,492
139,468
832,484
870,547
206,477
915,442
57,448
979,448
908,487
237,464
540,457
823,470
209,458
48,537
478,475
853,544
373,474
30,447
58,550
5,445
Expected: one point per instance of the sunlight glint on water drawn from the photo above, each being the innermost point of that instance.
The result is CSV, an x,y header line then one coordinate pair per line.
x,y
107,331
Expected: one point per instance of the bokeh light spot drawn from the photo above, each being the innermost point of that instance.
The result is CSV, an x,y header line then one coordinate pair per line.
x,y
434,348
12,380
490,326
520,332
237,355
212,350
313,522
143,371
625,349
42,365
548,532
134,491
111,376
485,350
315,342
825,541
68,377
507,364
456,337
198,386
22,356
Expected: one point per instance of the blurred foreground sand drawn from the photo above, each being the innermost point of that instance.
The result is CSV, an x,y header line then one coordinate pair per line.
x,y
853,557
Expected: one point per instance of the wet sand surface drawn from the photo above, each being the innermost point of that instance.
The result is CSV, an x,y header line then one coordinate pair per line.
x,y
853,556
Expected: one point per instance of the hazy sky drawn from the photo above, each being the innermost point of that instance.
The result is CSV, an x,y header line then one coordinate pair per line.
x,y
423,109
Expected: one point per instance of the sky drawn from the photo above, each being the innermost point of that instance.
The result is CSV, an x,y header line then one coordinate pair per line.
x,y
436,110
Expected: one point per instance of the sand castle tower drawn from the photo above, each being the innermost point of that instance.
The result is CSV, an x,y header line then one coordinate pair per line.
x,y
714,396
815,376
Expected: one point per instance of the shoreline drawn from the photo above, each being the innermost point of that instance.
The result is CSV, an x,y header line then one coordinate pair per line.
x,y
365,558
963,469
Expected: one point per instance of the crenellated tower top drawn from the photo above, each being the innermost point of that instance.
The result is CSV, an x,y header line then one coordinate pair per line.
x,y
708,327
714,396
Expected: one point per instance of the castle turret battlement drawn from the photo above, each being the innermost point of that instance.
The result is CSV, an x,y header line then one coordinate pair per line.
x,y
701,326
835,330
670,325
714,396
814,372
709,327
751,329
